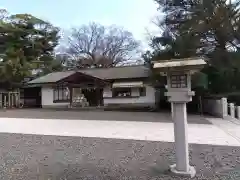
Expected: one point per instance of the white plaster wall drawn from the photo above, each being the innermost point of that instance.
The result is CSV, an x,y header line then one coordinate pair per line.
x,y
148,99
135,91
47,98
107,92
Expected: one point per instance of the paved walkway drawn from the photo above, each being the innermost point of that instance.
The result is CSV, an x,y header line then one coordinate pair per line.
x,y
229,125
151,131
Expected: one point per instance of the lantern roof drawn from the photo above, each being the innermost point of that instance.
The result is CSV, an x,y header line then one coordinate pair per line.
x,y
180,64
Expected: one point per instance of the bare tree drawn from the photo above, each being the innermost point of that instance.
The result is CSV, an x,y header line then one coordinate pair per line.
x,y
3,14
95,45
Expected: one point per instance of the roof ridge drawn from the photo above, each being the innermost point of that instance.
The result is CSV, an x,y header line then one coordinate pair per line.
x,y
116,67
102,73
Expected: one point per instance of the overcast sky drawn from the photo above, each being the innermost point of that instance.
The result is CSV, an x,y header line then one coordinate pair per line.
x,y
134,15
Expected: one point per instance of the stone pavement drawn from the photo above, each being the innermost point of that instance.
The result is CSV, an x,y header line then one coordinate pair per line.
x,y
150,131
229,125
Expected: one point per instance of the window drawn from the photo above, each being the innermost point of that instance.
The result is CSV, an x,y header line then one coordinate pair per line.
x,y
121,92
142,91
178,81
61,93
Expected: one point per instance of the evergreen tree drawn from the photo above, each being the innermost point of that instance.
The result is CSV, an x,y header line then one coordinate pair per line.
x,y
26,43
202,28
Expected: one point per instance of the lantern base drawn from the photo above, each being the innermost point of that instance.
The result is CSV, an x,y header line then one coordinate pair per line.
x,y
190,173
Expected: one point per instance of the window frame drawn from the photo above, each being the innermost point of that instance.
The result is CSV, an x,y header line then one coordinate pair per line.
x,y
178,81
59,94
119,89
142,91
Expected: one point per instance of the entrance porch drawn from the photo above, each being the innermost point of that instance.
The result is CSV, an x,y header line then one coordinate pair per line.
x,y
78,90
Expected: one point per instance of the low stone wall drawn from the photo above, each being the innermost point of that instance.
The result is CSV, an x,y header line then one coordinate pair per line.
x,y
216,107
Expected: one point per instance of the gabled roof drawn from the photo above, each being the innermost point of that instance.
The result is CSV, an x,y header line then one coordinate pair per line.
x,y
124,72
52,77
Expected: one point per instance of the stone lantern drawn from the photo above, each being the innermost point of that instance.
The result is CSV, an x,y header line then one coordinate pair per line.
x,y
178,72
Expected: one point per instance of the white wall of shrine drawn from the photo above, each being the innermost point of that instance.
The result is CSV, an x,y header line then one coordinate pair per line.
x,y
47,98
148,100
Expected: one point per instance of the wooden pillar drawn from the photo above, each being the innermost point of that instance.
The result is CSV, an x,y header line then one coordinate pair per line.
x,y
99,96
232,110
1,100
71,94
16,98
9,99
19,98
5,100
16,95
13,99
238,112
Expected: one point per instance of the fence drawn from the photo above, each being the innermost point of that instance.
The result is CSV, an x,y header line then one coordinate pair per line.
x,y
9,99
234,111
216,107
221,108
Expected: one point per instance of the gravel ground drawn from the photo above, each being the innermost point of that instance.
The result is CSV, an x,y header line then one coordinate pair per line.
x,y
37,157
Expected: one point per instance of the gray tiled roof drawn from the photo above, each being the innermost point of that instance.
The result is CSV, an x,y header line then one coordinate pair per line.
x,y
118,72
52,77
102,73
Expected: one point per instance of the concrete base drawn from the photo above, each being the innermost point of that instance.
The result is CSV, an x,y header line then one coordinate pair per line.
x,y
190,173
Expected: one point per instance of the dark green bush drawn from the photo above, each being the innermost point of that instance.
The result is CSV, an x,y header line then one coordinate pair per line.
x,y
234,98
